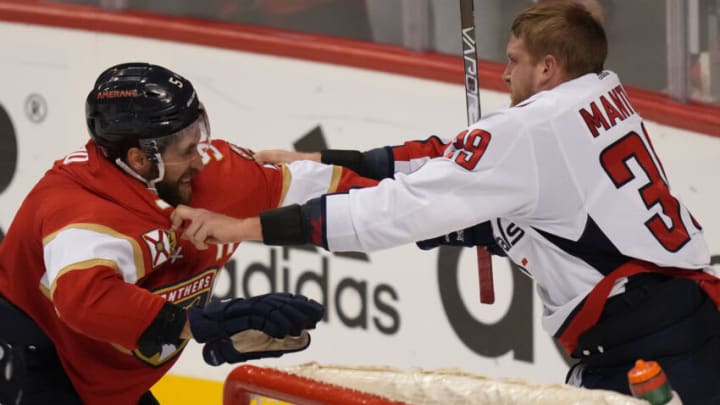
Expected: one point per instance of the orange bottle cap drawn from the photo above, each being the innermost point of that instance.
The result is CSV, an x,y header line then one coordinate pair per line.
x,y
643,371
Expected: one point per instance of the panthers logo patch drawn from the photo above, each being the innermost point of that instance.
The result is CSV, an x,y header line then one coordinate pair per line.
x,y
162,244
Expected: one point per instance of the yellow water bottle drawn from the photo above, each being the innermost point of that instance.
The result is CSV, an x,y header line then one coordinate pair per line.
x,y
648,381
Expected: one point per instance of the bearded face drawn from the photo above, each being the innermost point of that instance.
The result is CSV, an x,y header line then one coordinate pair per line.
x,y
181,161
177,188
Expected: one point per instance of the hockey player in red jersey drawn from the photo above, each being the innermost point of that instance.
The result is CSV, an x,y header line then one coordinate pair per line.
x,y
97,294
566,184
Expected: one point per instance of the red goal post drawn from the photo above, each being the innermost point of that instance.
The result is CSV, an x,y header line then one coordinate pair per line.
x,y
313,384
245,383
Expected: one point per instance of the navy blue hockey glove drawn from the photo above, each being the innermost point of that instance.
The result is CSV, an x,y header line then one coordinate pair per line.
x,y
267,325
476,235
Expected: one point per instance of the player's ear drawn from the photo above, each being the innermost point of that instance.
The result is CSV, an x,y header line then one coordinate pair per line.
x,y
551,73
138,161
549,64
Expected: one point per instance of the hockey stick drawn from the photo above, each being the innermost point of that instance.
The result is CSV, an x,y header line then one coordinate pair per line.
x,y
472,99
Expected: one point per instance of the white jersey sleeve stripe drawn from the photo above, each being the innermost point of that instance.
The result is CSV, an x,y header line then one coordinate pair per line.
x,y
308,180
75,247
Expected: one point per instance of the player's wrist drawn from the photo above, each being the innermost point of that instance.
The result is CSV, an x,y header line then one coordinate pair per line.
x,y
249,229
314,156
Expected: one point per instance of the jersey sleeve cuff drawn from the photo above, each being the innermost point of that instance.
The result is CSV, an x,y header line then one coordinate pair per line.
x,y
284,226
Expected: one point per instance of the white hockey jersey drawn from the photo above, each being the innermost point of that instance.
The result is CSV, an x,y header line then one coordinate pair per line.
x,y
569,180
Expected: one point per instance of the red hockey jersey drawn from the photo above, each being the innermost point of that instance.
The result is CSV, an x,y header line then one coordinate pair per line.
x,y
91,259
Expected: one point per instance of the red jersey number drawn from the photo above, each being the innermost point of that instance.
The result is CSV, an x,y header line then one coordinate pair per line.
x,y
471,147
614,160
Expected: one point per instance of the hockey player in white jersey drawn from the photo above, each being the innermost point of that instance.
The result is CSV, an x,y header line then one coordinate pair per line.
x,y
566,184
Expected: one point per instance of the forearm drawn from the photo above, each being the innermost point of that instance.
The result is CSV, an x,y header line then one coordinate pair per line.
x,y
97,303
314,156
250,229
279,156
203,227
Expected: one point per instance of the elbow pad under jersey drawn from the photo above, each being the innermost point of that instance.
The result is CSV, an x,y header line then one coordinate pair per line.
x,y
165,329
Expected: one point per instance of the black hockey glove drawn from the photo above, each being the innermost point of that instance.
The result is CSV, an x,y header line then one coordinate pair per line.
x,y
264,326
12,370
476,235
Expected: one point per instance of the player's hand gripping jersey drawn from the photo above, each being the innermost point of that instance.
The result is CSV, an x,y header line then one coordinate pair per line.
x,y
97,260
568,179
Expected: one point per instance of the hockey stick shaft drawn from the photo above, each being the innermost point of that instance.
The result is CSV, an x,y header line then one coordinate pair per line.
x,y
469,50
472,101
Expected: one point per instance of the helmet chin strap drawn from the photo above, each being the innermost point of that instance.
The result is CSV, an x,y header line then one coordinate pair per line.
x,y
150,184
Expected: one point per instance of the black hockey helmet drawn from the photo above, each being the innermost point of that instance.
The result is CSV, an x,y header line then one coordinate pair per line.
x,y
133,102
